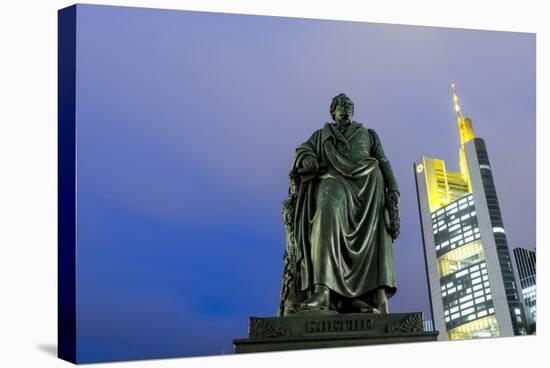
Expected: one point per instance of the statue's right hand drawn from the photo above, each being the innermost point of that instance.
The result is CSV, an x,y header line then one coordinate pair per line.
x,y
310,164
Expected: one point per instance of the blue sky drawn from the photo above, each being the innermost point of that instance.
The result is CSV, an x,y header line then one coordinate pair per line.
x,y
187,124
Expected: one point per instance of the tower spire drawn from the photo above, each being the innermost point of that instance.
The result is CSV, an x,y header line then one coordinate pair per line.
x,y
455,99
465,132
465,129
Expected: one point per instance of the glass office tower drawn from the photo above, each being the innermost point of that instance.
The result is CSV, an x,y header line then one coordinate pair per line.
x,y
470,276
526,263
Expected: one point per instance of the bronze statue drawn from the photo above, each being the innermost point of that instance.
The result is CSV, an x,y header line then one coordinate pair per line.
x,y
341,218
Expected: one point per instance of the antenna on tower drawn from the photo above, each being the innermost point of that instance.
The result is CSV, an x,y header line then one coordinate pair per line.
x,y
455,98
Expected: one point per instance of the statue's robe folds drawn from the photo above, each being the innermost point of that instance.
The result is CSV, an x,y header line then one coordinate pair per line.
x,y
341,225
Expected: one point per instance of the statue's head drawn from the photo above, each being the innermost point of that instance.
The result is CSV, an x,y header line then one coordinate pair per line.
x,y
341,108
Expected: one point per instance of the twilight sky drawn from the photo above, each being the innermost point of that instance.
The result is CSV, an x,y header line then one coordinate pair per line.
x,y
186,127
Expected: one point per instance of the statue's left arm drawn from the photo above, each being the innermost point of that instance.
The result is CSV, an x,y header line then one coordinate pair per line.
x,y
378,152
389,182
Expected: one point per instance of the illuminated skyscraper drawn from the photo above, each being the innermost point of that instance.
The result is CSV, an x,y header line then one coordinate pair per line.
x,y
470,276
526,264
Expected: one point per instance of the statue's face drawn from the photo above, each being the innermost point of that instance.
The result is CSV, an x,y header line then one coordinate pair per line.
x,y
343,112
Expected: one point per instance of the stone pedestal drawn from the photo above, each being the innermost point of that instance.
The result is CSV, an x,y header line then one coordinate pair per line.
x,y
309,331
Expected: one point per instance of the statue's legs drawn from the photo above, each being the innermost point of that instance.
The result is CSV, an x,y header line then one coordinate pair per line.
x,y
380,300
326,235
374,302
320,299
332,259
325,241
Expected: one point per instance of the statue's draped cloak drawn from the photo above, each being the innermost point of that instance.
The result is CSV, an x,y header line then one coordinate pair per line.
x,y
341,224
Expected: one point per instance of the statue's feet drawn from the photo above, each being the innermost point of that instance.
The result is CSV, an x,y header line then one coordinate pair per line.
x,y
319,300
359,306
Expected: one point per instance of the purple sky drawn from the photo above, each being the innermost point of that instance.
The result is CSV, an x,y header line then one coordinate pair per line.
x,y
187,125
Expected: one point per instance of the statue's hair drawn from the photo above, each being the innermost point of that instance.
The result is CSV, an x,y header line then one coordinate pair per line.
x,y
336,100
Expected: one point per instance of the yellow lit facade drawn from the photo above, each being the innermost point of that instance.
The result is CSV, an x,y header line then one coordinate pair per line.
x,y
466,133
444,187
483,327
461,258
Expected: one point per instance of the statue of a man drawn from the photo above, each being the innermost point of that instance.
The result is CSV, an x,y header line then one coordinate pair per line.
x,y
341,219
